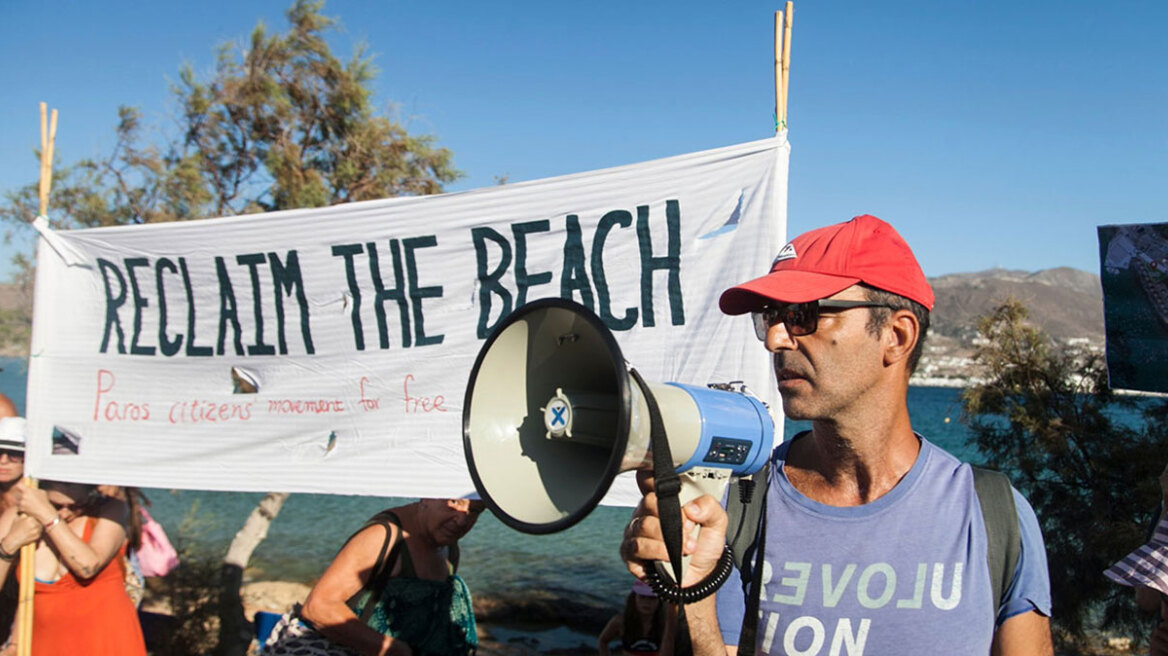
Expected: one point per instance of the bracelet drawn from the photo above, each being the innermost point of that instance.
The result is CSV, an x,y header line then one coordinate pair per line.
x,y
50,525
4,555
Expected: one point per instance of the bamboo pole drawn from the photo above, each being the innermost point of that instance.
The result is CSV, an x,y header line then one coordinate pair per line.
x,y
779,108
44,146
24,610
788,17
48,138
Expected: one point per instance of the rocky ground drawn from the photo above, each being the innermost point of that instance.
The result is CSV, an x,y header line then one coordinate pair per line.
x,y
539,624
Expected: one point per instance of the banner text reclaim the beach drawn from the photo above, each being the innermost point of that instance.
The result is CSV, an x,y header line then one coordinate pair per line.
x,y
136,288
328,350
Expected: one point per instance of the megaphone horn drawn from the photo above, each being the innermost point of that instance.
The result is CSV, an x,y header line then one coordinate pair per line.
x,y
552,416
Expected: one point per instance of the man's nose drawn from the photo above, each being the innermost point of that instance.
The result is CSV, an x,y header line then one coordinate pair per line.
x,y
778,338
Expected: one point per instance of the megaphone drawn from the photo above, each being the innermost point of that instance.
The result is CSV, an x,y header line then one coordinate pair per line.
x,y
552,416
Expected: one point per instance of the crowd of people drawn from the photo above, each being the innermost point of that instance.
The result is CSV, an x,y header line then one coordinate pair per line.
x,y
393,588
870,538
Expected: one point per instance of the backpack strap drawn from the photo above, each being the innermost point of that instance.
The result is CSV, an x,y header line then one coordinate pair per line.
x,y
744,517
746,536
1003,535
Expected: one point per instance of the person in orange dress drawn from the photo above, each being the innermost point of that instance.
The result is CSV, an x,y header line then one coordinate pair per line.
x,y
80,604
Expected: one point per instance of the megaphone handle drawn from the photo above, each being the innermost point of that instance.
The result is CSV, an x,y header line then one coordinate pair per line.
x,y
695,483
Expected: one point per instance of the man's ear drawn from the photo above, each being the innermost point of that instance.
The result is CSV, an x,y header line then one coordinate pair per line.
x,y
900,336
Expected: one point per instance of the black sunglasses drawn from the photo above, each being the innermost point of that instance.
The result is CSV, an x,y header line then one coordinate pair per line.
x,y
800,318
13,455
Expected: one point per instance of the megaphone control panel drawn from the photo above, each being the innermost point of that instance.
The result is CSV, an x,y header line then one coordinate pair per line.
x,y
726,452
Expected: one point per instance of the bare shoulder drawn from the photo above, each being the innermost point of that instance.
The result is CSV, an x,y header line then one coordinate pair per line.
x,y
353,565
365,545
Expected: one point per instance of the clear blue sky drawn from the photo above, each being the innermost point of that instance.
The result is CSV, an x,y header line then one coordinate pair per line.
x,y
994,133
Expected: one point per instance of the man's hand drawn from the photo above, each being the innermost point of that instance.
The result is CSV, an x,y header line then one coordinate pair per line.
x,y
643,541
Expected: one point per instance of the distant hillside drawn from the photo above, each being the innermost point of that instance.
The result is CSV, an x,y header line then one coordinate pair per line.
x,y
1066,303
14,330
10,297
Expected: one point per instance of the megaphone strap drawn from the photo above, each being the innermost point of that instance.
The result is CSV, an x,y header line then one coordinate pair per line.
x,y
748,635
665,479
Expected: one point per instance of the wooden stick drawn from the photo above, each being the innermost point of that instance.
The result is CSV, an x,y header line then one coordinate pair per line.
x,y
24,609
24,612
48,138
42,191
779,109
788,19
49,160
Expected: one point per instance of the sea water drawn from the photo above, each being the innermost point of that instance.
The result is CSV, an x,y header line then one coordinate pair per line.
x,y
581,562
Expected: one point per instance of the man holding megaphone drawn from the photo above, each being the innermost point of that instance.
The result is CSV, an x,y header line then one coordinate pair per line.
x,y
872,539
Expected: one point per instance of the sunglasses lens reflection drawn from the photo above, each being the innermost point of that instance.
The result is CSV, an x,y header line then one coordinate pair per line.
x,y
800,319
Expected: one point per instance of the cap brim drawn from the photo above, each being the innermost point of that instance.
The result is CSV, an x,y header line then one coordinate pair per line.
x,y
1147,566
784,287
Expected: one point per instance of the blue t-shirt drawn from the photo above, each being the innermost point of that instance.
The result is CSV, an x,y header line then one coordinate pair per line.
x,y
904,574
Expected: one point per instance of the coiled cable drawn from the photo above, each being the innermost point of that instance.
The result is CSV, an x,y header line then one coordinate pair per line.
x,y
667,589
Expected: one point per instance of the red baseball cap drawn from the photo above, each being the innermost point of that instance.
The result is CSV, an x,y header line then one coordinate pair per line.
x,y
828,260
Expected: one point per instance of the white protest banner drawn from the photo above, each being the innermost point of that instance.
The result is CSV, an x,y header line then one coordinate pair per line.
x,y
358,324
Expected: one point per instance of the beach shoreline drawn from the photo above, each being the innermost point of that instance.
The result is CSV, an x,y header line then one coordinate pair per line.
x,y
509,624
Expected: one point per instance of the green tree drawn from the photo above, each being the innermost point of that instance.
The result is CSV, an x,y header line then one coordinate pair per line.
x,y
282,123
1086,458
